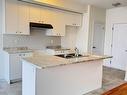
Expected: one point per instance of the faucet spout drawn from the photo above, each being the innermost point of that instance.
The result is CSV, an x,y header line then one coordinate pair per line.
x,y
76,52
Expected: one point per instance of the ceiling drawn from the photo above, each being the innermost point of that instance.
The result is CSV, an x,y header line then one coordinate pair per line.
x,y
102,3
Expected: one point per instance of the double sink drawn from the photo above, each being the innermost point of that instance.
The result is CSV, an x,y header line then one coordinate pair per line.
x,y
72,55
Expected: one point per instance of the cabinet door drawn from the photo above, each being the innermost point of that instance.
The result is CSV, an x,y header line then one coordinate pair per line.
x,y
59,29
119,47
53,17
59,23
35,14
48,16
23,18
11,12
77,20
73,19
15,66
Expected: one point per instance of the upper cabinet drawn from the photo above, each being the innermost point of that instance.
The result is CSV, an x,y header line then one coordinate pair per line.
x,y
73,19
59,19
35,13
15,17
23,19
53,17
10,16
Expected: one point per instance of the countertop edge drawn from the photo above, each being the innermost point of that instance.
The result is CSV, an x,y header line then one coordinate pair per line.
x,y
44,67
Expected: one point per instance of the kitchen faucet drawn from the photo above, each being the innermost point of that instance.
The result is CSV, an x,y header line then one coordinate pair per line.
x,y
76,52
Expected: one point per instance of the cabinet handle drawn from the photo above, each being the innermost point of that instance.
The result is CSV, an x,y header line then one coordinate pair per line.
x,y
58,34
20,32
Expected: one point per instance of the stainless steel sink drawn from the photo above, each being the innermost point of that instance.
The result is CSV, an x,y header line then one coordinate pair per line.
x,y
71,55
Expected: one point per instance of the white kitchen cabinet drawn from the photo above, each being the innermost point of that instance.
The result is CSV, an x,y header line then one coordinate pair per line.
x,y
35,14
73,19
59,29
10,16
53,17
15,17
13,66
59,20
23,18
58,23
48,17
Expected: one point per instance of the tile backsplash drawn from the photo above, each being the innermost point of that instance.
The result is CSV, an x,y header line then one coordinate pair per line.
x,y
36,40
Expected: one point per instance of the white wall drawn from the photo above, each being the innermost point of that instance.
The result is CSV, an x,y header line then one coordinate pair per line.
x,y
97,15
1,64
36,40
82,35
115,15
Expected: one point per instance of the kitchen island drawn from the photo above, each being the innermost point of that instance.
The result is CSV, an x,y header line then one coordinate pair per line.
x,y
51,75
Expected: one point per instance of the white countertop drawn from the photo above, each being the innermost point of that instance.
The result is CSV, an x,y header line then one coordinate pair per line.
x,y
43,60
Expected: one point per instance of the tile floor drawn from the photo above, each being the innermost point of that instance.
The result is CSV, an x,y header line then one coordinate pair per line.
x,y
111,78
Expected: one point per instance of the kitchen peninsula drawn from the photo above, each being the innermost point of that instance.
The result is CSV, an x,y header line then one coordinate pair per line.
x,y
52,75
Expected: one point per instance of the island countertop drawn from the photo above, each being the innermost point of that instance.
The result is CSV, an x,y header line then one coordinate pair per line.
x,y
42,60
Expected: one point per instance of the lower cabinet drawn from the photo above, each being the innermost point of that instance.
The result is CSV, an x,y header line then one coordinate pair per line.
x,y
13,66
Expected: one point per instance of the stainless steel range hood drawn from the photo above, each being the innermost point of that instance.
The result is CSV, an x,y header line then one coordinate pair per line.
x,y
41,25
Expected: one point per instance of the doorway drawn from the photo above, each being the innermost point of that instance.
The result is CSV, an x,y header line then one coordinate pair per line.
x,y
98,39
119,46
